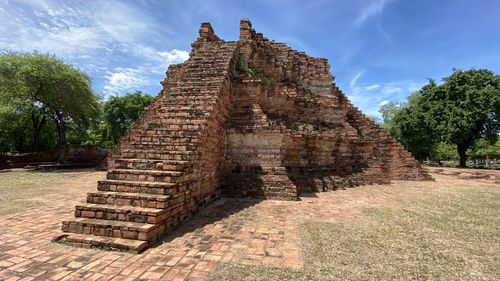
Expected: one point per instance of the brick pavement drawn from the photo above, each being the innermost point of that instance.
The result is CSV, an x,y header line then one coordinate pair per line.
x,y
246,231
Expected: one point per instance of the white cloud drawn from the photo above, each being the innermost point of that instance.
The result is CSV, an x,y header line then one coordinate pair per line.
x,y
375,8
355,79
124,79
390,89
372,87
131,79
369,98
174,56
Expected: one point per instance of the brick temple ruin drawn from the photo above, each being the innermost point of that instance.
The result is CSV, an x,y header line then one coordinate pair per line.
x,y
246,118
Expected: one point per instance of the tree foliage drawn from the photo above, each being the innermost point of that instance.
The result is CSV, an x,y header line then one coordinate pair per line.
x,y
121,112
388,112
464,108
413,130
44,87
46,103
461,111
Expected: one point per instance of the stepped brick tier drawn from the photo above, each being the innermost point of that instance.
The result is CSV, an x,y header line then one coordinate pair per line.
x,y
241,118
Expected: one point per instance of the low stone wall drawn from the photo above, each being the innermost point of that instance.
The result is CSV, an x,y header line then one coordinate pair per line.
x,y
92,155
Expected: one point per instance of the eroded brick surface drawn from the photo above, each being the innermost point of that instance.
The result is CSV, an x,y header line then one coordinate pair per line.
x,y
247,118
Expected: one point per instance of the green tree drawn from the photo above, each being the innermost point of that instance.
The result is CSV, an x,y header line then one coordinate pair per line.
x,y
373,118
444,152
13,130
411,127
388,112
484,150
121,112
464,108
47,88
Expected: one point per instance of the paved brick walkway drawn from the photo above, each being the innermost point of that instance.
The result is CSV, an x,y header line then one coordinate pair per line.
x,y
242,231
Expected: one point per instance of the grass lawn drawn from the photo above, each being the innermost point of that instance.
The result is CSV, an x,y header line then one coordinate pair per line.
x,y
446,234
18,187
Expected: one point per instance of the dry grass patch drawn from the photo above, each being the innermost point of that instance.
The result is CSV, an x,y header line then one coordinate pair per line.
x,y
439,176
18,187
446,234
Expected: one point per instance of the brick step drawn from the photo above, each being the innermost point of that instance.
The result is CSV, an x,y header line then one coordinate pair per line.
x,y
156,145
208,70
159,150
157,154
180,92
166,130
144,175
171,131
150,164
188,123
124,198
165,150
118,229
105,243
162,135
122,213
196,96
161,142
163,120
163,188
178,147
185,111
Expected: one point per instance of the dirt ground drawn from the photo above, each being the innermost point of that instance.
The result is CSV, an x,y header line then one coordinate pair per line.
x,y
249,231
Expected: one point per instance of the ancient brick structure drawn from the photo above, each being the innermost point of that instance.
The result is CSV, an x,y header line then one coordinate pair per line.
x,y
241,118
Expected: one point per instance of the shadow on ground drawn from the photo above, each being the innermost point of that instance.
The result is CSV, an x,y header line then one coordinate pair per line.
x,y
216,211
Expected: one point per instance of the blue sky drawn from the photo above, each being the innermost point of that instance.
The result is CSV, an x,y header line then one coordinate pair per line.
x,y
379,50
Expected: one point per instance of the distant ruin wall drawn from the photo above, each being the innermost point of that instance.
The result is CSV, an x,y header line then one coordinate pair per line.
x,y
89,154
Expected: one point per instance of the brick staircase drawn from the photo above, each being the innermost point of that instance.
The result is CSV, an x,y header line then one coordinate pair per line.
x,y
153,182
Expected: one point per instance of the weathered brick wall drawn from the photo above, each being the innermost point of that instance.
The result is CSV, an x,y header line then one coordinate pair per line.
x,y
326,143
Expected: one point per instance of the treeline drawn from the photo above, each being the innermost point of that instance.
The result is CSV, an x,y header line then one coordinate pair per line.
x,y
456,120
47,104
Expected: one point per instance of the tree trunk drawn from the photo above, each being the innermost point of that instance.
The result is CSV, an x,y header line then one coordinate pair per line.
x,y
37,127
61,132
462,149
19,143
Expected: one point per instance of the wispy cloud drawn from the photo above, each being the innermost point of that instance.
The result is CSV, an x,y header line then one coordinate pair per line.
x,y
70,30
375,8
390,89
372,87
372,97
352,84
107,38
